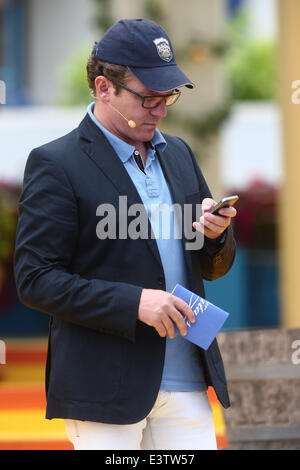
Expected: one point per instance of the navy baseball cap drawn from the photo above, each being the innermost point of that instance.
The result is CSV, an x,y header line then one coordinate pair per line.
x,y
146,49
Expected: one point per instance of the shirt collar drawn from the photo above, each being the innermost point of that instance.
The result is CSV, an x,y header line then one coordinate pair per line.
x,y
124,150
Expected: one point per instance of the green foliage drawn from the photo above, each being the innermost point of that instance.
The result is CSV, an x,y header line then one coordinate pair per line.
x,y
74,85
252,71
103,18
250,63
154,10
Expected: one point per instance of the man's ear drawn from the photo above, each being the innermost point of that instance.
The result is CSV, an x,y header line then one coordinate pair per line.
x,y
103,88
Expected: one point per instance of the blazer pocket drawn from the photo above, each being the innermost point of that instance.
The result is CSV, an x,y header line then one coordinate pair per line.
x,y
86,365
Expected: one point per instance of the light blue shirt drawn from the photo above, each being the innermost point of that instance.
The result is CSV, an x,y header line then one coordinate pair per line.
x,y
182,370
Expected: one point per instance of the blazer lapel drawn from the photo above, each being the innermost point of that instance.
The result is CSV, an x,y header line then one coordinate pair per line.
x,y
173,177
97,147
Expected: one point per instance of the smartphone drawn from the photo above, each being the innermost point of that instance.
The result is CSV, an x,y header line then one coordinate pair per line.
x,y
225,202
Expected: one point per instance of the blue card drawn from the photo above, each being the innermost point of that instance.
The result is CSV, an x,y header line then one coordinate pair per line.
x,y
209,318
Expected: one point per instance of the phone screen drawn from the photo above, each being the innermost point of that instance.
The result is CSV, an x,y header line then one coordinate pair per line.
x,y
225,202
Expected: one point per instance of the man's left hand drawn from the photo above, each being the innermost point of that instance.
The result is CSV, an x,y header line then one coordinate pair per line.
x,y
212,226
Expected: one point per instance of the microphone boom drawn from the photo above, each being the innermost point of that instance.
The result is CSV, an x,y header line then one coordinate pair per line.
x,y
130,122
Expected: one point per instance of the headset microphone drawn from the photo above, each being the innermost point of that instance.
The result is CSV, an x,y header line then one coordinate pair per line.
x,y
130,122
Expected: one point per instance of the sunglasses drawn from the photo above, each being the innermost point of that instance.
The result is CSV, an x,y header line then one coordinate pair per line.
x,y
153,101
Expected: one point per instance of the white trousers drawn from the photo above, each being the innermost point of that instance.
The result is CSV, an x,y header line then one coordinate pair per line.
x,y
178,420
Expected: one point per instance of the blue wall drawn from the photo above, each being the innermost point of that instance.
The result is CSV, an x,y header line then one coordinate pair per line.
x,y
249,292
12,71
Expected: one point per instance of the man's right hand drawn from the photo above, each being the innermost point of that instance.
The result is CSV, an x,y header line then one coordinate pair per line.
x,y
161,310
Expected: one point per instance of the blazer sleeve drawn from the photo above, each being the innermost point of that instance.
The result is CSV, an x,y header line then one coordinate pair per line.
x,y
216,256
45,242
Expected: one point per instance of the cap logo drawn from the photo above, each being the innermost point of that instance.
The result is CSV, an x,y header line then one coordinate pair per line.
x,y
163,49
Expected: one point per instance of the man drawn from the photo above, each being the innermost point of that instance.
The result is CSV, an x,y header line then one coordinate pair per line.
x,y
119,369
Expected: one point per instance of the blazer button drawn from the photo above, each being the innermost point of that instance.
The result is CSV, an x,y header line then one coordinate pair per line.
x,y
161,280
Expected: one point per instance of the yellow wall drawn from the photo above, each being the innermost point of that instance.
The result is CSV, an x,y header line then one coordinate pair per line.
x,y
289,232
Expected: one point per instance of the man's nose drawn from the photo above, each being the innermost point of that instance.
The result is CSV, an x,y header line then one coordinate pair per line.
x,y
160,110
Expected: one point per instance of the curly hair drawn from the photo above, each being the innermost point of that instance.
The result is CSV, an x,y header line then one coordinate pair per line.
x,y
114,72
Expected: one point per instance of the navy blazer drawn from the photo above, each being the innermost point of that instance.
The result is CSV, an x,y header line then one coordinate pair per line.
x,y
103,364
